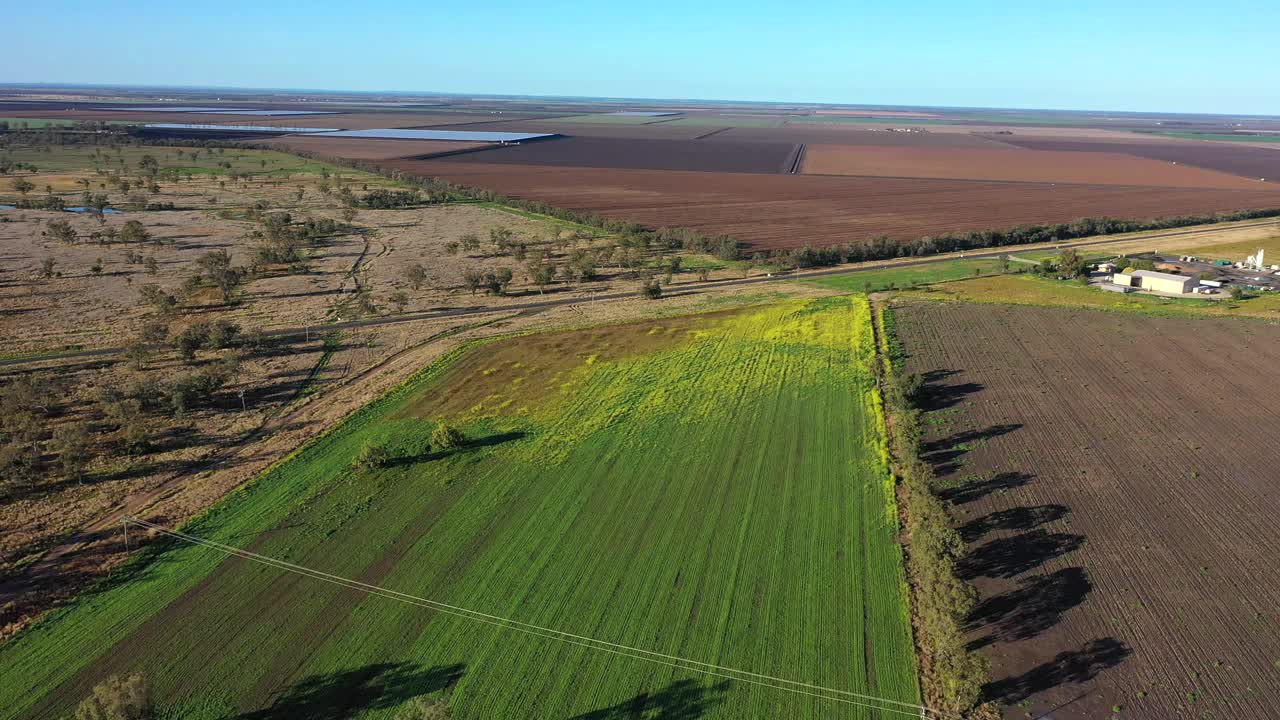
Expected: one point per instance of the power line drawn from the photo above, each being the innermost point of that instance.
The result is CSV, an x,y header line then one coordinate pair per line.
x,y
769,681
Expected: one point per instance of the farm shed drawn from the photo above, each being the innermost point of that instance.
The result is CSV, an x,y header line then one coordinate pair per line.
x,y
1157,281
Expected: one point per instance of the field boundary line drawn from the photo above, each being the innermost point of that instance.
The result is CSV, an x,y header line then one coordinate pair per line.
x,y
675,661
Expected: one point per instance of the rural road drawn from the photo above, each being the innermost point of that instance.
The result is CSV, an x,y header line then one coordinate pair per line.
x,y
690,288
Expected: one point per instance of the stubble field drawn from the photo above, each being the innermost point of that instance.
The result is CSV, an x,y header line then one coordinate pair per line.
x,y
1112,475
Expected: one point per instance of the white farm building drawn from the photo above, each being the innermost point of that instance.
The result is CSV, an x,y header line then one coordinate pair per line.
x,y
1156,281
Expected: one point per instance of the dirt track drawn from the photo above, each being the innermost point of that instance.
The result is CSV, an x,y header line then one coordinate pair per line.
x,y
1113,475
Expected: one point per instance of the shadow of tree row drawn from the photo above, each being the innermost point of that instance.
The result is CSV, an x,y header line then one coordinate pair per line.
x,y
1039,600
381,686
1070,667
681,700
347,693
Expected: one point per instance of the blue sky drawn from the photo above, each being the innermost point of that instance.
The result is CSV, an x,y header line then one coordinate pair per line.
x,y
1082,54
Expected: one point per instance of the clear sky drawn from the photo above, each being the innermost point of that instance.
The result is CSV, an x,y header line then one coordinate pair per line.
x,y
1169,55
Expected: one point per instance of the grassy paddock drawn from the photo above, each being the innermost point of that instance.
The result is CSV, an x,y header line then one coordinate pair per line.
x,y
713,487
1031,290
905,277
1237,250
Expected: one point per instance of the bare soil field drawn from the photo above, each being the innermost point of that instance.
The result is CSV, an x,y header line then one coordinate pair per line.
x,y
1012,164
785,211
658,131
370,149
858,136
1250,162
877,113
1113,477
367,120
754,157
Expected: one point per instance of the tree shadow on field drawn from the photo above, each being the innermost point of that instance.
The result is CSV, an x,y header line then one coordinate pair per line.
x,y
1035,606
681,700
972,492
943,452
1019,518
1072,667
472,445
1008,557
937,394
348,693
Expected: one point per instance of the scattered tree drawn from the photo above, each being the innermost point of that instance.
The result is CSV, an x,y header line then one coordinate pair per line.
x,y
400,299
541,273
415,275
118,698
164,303
473,279
420,708
71,443
216,270
447,437
371,457
61,231
651,289
134,232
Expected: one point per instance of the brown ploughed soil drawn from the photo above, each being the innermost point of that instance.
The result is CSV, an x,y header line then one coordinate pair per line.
x,y
1246,161
1114,478
658,131
1012,164
786,211
742,157
367,149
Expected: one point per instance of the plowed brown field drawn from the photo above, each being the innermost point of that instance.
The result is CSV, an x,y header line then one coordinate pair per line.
x,y
1013,164
657,131
1114,476
781,211
859,137
754,157
367,149
1250,162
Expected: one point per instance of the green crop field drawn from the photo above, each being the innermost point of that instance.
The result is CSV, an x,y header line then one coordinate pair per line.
x,y
1236,251
710,487
34,122
905,277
